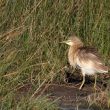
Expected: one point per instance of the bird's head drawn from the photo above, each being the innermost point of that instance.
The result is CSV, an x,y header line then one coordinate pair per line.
x,y
73,41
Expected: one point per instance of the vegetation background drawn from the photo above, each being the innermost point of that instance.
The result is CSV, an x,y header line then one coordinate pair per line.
x,y
30,52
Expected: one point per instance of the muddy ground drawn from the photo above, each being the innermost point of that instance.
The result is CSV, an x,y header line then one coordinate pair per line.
x,y
69,97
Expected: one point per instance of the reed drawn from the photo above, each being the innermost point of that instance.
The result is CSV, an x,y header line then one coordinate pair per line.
x,y
30,52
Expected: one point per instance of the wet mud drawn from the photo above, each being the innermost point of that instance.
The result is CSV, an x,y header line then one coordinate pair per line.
x,y
69,97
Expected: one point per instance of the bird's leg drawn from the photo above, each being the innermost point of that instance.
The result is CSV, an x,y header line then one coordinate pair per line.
x,y
95,80
82,82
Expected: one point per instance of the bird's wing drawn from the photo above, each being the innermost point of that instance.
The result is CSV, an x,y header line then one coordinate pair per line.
x,y
89,58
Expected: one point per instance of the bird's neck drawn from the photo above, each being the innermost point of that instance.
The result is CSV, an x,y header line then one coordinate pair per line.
x,y
74,49
72,55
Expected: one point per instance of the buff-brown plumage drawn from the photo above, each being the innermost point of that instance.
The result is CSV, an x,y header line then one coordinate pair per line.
x,y
86,58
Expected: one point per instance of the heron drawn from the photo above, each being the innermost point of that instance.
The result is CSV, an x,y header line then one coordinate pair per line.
x,y
86,58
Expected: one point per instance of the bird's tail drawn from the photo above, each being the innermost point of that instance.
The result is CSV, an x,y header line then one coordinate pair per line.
x,y
102,68
108,68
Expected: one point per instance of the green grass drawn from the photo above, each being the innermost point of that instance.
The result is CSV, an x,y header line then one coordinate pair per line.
x,y
30,52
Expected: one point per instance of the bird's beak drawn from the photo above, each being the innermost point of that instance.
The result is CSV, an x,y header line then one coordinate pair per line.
x,y
64,42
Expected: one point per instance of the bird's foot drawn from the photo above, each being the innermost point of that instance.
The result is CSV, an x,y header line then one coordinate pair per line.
x,y
95,88
81,87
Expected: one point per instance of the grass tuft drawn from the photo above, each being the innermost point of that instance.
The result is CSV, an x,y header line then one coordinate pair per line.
x,y
30,52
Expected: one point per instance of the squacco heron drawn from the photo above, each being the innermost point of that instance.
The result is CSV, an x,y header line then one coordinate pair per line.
x,y
86,58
